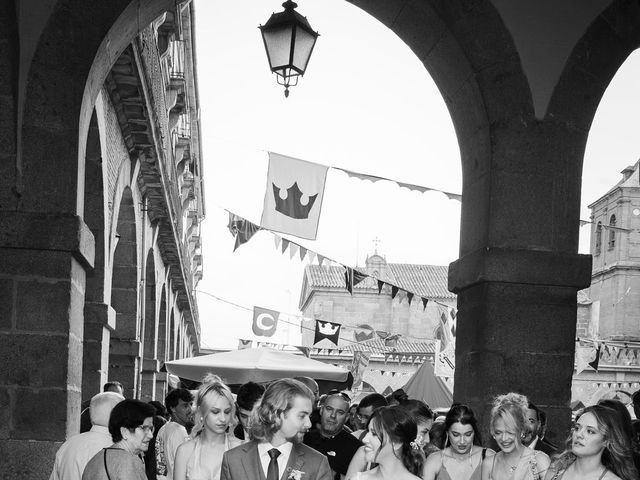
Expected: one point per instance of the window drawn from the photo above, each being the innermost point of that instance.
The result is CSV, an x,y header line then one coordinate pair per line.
x,y
598,238
612,232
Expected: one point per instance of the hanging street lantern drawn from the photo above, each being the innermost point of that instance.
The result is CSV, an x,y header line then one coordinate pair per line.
x,y
289,40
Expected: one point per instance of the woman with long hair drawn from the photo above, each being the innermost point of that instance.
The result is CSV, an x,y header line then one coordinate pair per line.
x,y
599,448
509,426
462,454
201,457
422,415
391,443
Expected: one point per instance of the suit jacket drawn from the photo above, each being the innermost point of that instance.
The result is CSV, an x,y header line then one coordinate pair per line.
x,y
545,447
243,463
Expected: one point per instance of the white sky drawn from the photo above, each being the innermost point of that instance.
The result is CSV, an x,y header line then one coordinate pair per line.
x,y
366,104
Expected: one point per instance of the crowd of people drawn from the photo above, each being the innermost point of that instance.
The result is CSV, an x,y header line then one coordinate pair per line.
x,y
287,430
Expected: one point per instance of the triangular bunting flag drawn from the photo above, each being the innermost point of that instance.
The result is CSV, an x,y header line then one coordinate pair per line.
x,y
328,330
380,285
320,259
352,278
285,244
409,297
312,256
277,238
242,229
594,364
424,303
293,250
394,291
303,253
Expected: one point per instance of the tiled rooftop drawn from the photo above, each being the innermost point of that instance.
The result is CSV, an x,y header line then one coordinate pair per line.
x,y
428,281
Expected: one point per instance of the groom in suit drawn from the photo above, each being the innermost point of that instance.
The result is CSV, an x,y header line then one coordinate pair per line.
x,y
276,451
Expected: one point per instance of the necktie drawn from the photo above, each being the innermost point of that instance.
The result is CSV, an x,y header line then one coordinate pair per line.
x,y
272,471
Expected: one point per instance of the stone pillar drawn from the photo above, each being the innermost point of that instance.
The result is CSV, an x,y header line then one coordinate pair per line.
x,y
124,364
100,321
516,327
150,367
162,382
43,258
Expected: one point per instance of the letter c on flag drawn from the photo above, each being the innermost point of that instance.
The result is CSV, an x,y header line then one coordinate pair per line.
x,y
265,322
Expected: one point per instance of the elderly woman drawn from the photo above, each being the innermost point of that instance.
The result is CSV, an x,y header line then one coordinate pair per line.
x,y
509,426
599,448
201,457
131,428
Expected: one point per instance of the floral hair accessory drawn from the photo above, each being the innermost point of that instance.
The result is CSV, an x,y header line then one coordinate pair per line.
x,y
295,475
416,445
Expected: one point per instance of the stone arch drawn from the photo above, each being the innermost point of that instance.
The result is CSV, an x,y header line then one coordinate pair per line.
x,y
150,335
163,346
173,328
99,317
124,350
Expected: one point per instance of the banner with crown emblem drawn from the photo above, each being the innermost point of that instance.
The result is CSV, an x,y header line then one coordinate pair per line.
x,y
293,199
328,330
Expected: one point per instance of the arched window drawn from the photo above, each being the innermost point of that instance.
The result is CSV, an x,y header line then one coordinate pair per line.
x,y
612,232
598,239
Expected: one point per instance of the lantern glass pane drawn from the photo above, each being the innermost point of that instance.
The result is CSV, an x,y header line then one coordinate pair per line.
x,y
278,44
304,45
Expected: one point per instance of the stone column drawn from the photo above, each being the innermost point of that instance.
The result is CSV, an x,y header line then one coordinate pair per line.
x,y
150,367
516,327
43,258
100,321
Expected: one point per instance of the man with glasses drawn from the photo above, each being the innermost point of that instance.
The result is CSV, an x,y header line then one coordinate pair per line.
x,y
365,409
331,439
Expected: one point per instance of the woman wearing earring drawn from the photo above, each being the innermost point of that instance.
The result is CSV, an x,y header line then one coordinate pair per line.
x,y
390,443
462,458
508,426
131,428
598,448
201,457
421,414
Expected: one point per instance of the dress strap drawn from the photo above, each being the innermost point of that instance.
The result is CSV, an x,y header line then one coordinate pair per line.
x,y
493,464
484,453
604,472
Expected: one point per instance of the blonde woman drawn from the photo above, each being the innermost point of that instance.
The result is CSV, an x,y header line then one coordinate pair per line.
x,y
201,457
509,426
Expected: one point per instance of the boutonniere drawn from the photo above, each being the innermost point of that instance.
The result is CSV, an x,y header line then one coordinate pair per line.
x,y
295,475
331,454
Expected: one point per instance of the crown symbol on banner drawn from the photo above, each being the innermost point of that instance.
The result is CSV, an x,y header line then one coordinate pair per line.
x,y
328,328
291,206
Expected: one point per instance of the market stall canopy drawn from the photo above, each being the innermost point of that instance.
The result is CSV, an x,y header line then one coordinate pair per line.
x,y
257,365
425,386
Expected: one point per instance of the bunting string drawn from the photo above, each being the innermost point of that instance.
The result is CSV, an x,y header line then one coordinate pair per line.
x,y
371,347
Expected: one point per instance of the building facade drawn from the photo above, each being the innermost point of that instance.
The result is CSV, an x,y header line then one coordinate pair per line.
x,y
609,310
381,312
106,295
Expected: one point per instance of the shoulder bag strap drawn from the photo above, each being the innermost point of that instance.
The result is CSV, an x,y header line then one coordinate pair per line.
x,y
106,469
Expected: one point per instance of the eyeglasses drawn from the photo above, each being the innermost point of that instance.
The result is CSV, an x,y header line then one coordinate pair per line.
x,y
335,391
146,428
